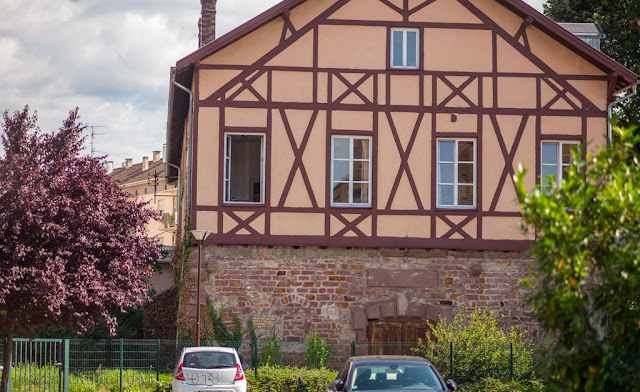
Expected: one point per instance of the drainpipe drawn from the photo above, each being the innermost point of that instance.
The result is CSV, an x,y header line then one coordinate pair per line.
x,y
175,239
190,141
614,103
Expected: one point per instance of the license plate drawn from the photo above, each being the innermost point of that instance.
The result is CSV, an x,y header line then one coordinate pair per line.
x,y
194,378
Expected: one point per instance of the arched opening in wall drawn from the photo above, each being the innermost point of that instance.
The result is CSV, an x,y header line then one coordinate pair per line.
x,y
396,335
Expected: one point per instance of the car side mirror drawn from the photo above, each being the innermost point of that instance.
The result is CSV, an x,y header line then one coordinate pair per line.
x,y
339,385
451,385
245,367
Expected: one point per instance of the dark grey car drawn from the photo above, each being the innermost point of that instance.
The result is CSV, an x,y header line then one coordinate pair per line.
x,y
389,373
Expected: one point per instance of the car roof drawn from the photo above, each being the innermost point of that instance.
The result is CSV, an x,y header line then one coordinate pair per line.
x,y
230,350
369,358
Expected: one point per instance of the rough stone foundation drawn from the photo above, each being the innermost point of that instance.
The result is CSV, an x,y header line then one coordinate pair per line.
x,y
338,291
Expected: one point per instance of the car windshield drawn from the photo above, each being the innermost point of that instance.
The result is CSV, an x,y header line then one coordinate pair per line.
x,y
209,360
418,376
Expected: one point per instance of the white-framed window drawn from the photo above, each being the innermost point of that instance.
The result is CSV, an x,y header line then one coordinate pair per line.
x,y
456,173
555,159
404,48
161,206
351,171
244,167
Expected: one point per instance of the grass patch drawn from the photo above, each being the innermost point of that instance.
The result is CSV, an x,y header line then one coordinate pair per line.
x,y
47,379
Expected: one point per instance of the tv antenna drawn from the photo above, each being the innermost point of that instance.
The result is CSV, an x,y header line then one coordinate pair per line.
x,y
93,137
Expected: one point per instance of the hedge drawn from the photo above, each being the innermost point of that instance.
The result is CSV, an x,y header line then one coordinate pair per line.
x,y
289,379
489,384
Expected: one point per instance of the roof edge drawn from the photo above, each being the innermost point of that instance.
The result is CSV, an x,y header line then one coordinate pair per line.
x,y
586,51
239,32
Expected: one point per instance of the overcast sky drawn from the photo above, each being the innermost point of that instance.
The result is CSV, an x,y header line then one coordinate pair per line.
x,y
110,58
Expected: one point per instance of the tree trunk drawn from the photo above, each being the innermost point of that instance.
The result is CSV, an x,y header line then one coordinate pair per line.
x,y
6,360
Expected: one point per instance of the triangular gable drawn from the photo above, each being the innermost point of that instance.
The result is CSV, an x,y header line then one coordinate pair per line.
x,y
518,7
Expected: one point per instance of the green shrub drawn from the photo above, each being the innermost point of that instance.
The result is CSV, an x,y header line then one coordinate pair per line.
x,y
318,351
489,384
480,348
288,379
271,353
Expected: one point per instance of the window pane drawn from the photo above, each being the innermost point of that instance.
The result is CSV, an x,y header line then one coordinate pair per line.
x,y
340,193
549,153
397,49
361,193
412,38
361,149
446,173
549,170
465,173
465,151
446,151
445,195
465,195
245,171
341,148
361,171
566,152
341,170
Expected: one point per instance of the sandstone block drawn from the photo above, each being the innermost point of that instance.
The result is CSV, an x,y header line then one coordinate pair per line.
x,y
399,278
359,318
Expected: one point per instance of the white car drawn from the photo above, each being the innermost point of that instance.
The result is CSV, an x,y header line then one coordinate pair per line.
x,y
204,369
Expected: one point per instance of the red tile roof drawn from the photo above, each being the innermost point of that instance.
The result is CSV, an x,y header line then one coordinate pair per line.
x,y
135,173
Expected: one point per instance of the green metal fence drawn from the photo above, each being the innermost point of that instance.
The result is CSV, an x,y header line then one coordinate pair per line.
x,y
117,365
37,365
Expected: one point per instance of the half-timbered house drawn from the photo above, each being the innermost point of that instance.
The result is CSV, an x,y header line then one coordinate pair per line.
x,y
353,159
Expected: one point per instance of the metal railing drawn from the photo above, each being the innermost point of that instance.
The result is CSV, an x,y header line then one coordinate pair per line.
x,y
78,364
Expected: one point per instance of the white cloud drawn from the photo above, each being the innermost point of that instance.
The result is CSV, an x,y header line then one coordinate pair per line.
x,y
109,58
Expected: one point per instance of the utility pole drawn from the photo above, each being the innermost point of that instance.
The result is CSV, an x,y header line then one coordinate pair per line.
x,y
93,137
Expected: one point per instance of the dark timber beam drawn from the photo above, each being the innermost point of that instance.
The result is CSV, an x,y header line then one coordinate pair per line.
x,y
613,80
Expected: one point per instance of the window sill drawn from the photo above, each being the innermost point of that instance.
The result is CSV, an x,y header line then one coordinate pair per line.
x,y
243,204
354,206
456,209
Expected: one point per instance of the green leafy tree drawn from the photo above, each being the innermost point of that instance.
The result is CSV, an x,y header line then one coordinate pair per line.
x,y
585,286
480,348
621,38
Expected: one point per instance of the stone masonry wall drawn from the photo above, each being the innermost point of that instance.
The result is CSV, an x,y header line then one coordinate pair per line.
x,y
337,291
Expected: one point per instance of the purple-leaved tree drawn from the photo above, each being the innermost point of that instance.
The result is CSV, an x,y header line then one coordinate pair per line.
x,y
71,245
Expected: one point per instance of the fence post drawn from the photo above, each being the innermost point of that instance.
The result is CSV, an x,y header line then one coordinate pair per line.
x,y
158,364
511,363
121,360
255,358
65,379
4,346
353,348
451,359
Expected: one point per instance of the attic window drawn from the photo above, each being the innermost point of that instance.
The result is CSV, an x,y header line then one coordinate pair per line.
x,y
404,48
244,168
